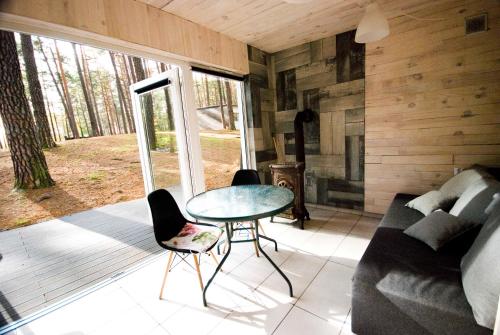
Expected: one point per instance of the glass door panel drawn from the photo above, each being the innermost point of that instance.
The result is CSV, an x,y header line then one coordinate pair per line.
x,y
156,108
161,134
218,114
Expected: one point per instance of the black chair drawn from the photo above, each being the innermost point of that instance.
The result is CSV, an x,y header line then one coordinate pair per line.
x,y
178,235
248,177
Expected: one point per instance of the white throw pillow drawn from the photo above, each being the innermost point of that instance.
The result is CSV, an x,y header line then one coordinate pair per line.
x,y
457,185
428,202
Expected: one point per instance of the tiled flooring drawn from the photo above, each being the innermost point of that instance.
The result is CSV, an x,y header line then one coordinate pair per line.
x,y
249,297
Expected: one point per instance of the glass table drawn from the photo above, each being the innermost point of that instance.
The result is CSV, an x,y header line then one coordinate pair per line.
x,y
237,204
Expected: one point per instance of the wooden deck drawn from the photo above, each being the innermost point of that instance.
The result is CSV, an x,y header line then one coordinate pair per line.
x,y
46,262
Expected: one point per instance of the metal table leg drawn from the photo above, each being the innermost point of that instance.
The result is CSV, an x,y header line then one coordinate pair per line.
x,y
271,261
220,264
272,240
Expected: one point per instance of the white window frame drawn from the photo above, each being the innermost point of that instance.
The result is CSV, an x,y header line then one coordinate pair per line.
x,y
173,75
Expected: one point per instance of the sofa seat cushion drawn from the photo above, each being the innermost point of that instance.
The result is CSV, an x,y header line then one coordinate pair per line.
x,y
400,278
398,216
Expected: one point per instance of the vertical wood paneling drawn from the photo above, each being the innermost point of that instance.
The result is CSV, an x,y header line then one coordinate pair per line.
x,y
432,100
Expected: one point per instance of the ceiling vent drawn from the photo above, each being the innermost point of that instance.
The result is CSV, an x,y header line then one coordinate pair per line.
x,y
476,23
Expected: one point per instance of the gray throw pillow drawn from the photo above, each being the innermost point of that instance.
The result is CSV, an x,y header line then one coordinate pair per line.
x,y
438,228
472,204
481,271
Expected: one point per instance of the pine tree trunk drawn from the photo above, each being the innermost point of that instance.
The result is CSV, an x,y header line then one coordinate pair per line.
x,y
148,105
56,83
94,131
90,88
85,121
121,95
229,100
170,111
30,167
107,109
35,89
115,112
132,69
126,75
71,113
207,91
221,104
53,121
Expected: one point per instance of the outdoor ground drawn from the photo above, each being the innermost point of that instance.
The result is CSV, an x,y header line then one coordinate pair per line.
x,y
97,171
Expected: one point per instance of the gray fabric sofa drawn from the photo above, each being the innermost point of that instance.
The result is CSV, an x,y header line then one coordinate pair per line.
x,y
401,286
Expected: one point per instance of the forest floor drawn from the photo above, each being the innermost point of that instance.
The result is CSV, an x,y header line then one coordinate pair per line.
x,y
98,171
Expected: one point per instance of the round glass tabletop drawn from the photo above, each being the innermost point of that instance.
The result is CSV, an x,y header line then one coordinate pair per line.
x,y
240,203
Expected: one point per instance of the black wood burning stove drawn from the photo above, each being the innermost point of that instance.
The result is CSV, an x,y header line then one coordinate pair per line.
x,y
291,175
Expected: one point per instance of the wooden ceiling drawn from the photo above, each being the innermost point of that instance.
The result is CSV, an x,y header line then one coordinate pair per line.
x,y
274,25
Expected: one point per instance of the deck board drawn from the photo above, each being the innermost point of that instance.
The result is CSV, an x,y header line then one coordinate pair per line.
x,y
46,262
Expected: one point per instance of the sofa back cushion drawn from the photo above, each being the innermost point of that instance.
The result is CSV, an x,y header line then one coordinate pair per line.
x,y
472,204
455,186
481,271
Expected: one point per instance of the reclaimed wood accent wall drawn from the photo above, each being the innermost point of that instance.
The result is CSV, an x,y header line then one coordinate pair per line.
x,y
432,100
326,76
260,99
138,23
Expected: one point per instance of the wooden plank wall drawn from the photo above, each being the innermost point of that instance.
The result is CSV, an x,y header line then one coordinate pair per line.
x,y
326,76
138,23
432,100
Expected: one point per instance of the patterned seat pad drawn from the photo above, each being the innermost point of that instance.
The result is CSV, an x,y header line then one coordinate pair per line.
x,y
195,237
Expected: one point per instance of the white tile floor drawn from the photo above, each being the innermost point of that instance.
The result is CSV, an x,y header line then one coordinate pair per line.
x,y
249,297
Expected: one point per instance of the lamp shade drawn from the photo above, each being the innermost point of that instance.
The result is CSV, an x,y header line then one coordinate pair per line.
x,y
373,26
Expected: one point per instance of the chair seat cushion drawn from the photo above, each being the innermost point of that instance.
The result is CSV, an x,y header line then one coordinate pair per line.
x,y
195,237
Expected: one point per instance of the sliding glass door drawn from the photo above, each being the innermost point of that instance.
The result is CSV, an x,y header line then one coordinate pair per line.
x,y
219,118
161,134
189,142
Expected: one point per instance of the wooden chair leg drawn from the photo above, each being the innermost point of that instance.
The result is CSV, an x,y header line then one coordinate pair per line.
x,y
254,242
215,259
261,228
169,264
197,266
